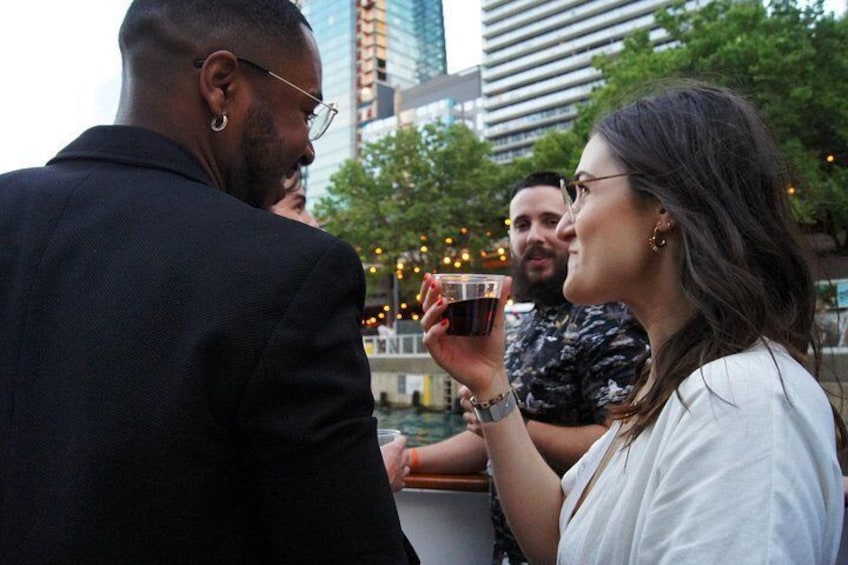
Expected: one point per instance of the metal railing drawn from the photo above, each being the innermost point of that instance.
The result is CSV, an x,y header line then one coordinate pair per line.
x,y
399,345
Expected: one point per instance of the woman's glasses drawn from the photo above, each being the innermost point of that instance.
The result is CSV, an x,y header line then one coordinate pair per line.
x,y
572,189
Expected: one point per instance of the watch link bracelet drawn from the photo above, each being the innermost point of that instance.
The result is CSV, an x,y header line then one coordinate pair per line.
x,y
495,409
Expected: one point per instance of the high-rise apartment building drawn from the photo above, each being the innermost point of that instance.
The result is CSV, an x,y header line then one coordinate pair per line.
x,y
446,98
369,48
537,61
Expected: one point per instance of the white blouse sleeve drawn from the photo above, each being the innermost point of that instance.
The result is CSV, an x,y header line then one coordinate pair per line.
x,y
746,473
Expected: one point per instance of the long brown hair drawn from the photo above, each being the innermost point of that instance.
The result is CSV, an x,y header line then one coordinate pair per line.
x,y
707,156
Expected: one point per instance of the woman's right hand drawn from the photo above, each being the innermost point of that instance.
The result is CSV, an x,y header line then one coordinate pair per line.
x,y
477,362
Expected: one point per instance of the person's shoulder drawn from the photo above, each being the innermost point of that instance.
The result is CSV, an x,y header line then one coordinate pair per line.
x,y
612,311
31,181
297,238
765,372
612,318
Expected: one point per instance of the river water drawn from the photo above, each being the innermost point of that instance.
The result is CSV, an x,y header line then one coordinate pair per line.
x,y
421,427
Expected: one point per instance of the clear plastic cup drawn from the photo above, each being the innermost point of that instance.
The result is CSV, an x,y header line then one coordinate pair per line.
x,y
472,302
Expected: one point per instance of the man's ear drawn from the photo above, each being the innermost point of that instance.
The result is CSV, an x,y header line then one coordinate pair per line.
x,y
220,79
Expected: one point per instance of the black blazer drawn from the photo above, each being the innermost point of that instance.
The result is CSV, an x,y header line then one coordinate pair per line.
x,y
182,378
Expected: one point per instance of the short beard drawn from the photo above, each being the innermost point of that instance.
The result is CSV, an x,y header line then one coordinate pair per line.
x,y
546,292
256,181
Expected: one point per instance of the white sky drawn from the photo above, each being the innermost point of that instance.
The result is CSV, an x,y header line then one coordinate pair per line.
x,y
62,69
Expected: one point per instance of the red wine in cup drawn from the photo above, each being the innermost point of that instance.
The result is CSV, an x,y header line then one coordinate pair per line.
x,y
471,317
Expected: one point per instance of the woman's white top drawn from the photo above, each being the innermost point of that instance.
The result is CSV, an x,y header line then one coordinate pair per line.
x,y
741,469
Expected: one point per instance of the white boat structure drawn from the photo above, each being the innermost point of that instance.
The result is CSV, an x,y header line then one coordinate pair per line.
x,y
446,518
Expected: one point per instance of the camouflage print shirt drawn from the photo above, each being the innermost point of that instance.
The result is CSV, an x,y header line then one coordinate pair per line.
x,y
567,363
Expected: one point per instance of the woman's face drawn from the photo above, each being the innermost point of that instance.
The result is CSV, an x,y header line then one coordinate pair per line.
x,y
610,258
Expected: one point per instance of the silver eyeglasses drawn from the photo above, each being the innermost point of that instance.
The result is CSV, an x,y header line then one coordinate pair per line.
x,y
318,121
570,190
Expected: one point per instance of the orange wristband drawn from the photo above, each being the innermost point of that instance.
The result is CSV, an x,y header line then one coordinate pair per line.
x,y
413,459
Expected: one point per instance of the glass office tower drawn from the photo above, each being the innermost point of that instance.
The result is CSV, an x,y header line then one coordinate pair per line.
x,y
368,48
537,61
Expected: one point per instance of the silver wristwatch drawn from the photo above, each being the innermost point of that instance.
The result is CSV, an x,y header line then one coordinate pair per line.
x,y
495,409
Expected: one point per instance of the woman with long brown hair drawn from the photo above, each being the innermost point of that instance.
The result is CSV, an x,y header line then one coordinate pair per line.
x,y
725,453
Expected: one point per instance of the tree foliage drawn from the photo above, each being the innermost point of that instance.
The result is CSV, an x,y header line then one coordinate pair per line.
x,y
788,60
415,198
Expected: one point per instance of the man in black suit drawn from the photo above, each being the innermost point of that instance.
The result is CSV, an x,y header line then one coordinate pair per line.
x,y
182,378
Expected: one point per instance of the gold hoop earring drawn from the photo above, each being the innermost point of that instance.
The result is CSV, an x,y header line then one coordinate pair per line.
x,y
219,123
657,241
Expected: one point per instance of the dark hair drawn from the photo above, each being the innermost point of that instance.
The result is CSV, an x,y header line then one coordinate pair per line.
x,y
709,159
544,178
194,28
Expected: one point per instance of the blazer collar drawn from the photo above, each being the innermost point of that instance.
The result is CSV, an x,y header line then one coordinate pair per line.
x,y
133,146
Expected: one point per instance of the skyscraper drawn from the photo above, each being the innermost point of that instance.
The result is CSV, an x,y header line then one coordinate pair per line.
x,y
368,48
537,61
446,98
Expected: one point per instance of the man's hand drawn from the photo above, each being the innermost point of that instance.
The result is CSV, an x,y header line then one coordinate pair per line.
x,y
472,424
396,460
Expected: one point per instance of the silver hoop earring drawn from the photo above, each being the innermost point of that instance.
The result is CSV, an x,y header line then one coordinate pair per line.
x,y
219,123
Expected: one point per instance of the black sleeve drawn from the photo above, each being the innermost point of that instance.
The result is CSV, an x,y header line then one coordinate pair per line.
x,y
311,455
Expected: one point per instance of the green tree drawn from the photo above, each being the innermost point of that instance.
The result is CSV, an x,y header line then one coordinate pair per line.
x,y
420,200
787,59
559,151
